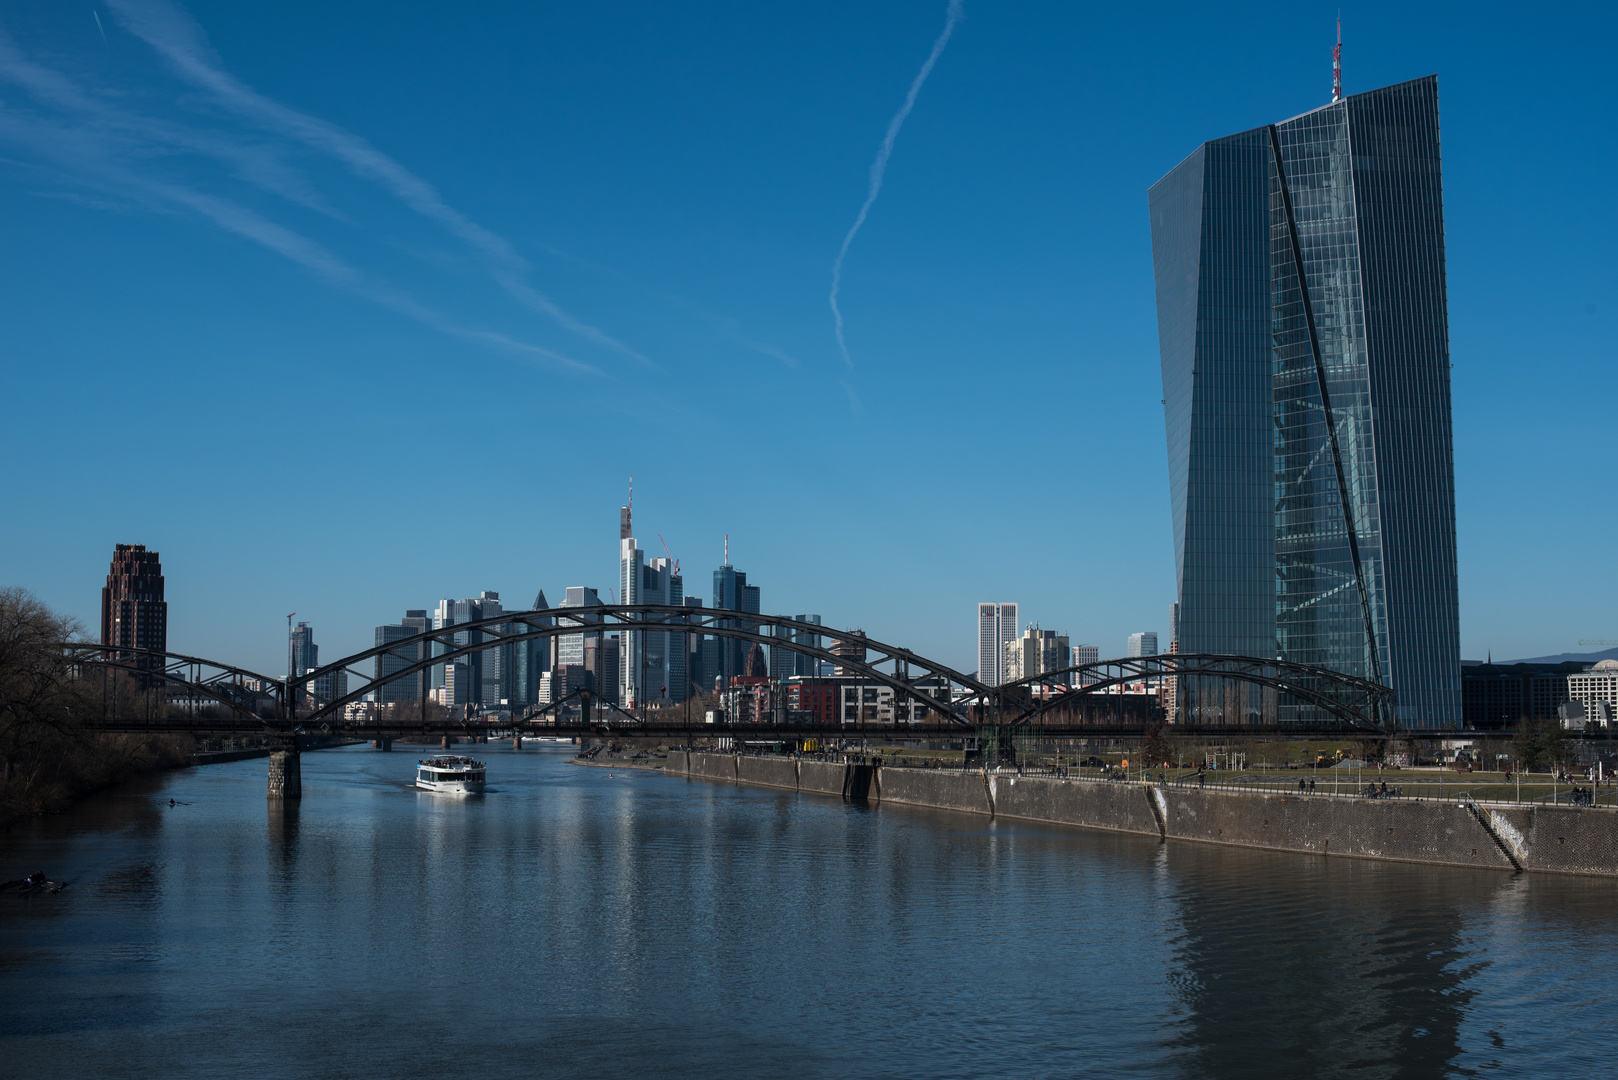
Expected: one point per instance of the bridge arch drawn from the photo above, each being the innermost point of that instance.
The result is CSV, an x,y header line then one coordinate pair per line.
x,y
176,669
909,670
1355,701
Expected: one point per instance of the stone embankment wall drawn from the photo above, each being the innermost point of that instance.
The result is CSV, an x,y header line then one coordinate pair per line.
x,y
1535,838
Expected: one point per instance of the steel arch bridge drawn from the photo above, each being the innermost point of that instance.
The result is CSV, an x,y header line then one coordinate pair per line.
x,y
1355,702
211,681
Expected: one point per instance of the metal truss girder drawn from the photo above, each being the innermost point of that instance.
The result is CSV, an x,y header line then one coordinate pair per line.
x,y
603,618
72,650
205,689
1361,706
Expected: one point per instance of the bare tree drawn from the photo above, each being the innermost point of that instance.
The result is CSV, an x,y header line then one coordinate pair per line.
x,y
35,692
47,758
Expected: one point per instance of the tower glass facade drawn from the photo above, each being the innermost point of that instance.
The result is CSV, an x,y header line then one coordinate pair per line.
x,y
1302,322
997,631
653,666
731,592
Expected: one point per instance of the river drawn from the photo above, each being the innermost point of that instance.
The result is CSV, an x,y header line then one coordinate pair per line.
x,y
581,921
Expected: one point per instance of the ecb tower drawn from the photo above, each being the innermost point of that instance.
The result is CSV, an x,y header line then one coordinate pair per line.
x,y
1303,328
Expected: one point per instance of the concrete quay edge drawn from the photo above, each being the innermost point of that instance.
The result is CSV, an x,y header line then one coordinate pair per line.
x,y
1535,839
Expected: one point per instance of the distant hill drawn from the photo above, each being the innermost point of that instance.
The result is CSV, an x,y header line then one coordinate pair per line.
x,y
1562,658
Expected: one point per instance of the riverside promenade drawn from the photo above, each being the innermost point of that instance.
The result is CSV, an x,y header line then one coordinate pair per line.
x,y
1447,832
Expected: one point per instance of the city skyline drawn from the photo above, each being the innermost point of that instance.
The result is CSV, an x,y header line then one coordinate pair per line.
x,y
1005,240
648,645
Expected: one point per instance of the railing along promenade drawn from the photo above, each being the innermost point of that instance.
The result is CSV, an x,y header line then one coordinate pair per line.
x,y
1564,794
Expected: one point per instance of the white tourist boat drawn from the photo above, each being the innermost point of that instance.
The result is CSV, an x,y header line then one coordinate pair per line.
x,y
456,775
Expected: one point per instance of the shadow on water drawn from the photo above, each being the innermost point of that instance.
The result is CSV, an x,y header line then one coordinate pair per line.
x,y
1289,965
281,842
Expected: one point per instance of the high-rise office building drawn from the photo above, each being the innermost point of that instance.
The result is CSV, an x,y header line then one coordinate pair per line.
x,y
133,611
1142,644
560,683
524,662
303,656
489,666
456,693
331,686
786,662
482,683
407,687
997,628
603,659
1086,654
1038,652
1303,326
848,649
570,647
731,592
702,656
302,652
653,662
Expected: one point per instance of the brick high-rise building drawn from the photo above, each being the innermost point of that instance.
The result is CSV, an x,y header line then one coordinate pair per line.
x,y
133,612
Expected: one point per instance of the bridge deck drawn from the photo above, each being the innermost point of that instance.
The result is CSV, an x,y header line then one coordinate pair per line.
x,y
687,732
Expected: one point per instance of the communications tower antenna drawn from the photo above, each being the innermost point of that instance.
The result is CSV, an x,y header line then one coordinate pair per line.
x,y
727,549
1337,63
626,526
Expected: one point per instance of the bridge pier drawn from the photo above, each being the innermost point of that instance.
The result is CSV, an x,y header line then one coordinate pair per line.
x,y
382,744
286,771
447,742
516,742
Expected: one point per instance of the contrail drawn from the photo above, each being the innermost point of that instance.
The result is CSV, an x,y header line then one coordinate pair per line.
x,y
880,166
103,29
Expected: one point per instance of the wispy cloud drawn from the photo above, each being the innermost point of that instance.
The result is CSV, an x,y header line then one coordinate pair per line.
x,y
91,159
731,330
182,43
311,255
105,141
880,166
137,135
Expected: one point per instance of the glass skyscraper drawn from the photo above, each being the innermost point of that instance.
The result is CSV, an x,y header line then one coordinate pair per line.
x,y
1303,326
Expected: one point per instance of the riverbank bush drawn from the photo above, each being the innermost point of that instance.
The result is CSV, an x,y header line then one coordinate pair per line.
x,y
47,758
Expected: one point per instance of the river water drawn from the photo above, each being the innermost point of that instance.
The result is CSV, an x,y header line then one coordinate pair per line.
x,y
584,921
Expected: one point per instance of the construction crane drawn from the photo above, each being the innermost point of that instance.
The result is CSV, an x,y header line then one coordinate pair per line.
x,y
673,562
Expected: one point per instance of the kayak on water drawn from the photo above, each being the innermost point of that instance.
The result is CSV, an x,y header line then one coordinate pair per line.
x,y
35,882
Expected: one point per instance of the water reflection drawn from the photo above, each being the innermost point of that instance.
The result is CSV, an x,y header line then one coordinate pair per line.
x,y
574,923
1324,965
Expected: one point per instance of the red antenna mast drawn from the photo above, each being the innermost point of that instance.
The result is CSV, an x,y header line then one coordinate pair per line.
x,y
1337,64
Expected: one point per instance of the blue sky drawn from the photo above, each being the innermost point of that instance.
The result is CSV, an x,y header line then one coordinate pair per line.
x,y
347,308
